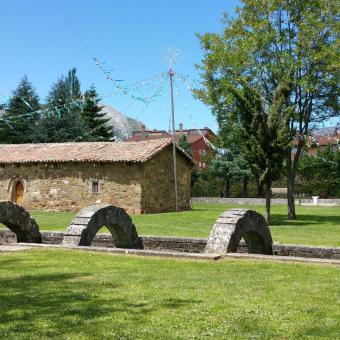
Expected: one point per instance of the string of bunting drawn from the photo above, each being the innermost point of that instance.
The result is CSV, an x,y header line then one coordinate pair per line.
x,y
160,91
125,90
78,103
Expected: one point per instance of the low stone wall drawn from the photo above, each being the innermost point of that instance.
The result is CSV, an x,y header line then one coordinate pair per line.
x,y
240,200
182,244
188,245
7,237
52,237
306,251
261,201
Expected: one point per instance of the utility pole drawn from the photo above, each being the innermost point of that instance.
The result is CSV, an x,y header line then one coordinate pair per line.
x,y
171,74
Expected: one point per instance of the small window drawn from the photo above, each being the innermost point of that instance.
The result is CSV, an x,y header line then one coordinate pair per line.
x,y
95,187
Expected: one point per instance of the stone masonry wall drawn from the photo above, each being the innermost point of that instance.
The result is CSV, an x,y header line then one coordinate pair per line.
x,y
182,244
158,193
67,186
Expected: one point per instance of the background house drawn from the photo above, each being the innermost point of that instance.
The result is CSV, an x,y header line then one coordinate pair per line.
x,y
195,137
321,139
68,176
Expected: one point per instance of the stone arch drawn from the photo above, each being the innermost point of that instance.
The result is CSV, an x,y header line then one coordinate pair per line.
x,y
19,221
14,180
234,224
90,219
12,189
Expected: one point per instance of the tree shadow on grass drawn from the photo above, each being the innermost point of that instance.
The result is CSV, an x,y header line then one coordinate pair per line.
x,y
69,303
178,302
280,220
59,300
8,263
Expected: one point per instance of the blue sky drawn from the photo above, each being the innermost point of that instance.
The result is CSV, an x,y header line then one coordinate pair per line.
x,y
129,36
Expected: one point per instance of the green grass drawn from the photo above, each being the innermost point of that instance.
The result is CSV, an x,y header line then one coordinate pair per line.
x,y
315,225
71,295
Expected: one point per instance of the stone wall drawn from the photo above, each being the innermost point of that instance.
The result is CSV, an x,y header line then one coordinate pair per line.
x,y
258,201
183,244
158,193
7,237
235,200
67,186
137,187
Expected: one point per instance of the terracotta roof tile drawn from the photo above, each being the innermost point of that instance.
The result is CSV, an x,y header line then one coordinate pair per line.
x,y
82,152
325,140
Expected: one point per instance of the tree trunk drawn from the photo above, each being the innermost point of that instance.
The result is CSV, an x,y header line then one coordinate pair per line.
x,y
259,188
227,188
245,186
290,189
268,194
292,165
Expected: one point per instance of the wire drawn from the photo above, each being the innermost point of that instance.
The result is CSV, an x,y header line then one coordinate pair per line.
x,y
73,28
219,151
100,65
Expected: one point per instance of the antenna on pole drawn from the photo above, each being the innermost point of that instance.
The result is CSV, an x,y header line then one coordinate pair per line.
x,y
170,57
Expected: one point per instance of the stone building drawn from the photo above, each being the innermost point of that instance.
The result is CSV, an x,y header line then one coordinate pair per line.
x,y
137,176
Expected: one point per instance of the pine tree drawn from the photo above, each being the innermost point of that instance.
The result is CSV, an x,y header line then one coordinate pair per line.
x,y
3,124
94,117
264,132
62,121
21,114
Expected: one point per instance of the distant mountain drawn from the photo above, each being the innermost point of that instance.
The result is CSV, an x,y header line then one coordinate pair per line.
x,y
123,125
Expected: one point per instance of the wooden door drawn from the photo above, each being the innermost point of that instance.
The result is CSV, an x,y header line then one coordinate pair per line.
x,y
19,193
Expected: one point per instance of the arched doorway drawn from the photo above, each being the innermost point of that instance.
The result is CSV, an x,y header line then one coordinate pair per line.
x,y
18,193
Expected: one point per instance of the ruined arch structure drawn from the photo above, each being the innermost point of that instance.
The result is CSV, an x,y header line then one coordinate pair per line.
x,y
234,224
90,219
19,221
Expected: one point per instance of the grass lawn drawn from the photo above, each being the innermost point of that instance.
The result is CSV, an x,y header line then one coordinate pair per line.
x,y
68,294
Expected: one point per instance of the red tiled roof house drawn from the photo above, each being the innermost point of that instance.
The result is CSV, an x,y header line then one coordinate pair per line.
x,y
68,176
321,140
195,137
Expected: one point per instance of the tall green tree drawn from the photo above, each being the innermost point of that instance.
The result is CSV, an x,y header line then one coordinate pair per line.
x,y
267,41
61,120
95,118
264,132
21,114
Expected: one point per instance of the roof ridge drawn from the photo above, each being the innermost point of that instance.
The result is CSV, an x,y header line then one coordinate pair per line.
x,y
83,151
